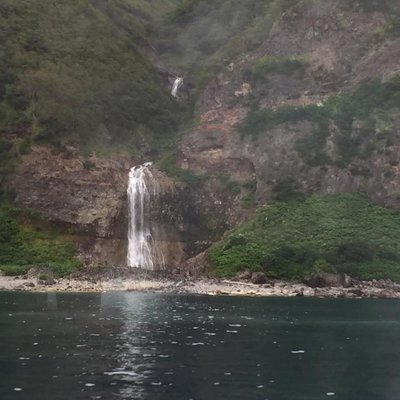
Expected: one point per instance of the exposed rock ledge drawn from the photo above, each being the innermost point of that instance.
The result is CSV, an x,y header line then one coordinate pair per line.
x,y
170,284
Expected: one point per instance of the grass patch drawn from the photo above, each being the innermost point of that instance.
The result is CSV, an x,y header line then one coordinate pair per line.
x,y
22,247
233,186
344,233
168,165
275,65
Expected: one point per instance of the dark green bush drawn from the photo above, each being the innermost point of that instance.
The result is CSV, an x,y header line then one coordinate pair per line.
x,y
343,233
169,166
288,189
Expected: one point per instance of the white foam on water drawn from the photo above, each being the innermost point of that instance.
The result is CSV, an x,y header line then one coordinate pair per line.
x,y
127,373
297,351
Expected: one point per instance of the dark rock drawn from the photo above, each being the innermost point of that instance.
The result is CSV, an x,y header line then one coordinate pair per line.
x,y
243,275
300,292
29,284
357,292
258,278
49,282
326,280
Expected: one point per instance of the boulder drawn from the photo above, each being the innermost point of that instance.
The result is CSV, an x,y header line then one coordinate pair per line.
x,y
243,275
357,292
347,281
258,278
322,279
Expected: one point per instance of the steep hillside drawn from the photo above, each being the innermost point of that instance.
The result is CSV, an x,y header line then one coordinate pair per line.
x,y
315,109
291,99
77,73
80,103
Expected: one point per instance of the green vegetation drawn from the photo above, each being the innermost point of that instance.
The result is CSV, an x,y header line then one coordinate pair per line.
x,y
233,186
186,176
22,247
372,5
343,233
7,163
191,37
369,104
74,72
276,65
258,121
287,189
391,27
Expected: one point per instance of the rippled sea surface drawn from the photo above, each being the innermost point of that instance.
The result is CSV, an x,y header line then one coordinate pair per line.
x,y
154,346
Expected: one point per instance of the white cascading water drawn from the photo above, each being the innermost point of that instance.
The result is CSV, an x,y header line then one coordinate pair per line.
x,y
176,86
142,188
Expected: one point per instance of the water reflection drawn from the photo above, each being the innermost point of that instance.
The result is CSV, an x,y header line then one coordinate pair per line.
x,y
148,346
133,357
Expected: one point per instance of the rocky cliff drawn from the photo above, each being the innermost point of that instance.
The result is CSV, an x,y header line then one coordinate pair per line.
x,y
314,107
315,52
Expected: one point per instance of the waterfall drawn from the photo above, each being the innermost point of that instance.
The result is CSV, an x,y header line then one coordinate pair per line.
x,y
176,86
142,190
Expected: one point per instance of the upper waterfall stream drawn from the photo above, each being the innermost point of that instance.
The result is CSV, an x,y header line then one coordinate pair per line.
x,y
176,86
143,188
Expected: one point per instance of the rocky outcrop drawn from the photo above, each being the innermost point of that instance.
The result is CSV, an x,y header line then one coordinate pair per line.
x,y
86,198
341,47
85,194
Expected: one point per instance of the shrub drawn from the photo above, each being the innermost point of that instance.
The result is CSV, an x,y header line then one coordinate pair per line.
x,y
369,104
343,233
89,164
21,248
287,189
276,65
169,166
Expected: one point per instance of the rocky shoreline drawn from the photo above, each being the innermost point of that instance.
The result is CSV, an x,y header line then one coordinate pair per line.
x,y
151,282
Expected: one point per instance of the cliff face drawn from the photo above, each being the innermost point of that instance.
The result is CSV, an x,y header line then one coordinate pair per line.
x,y
314,52
313,109
86,198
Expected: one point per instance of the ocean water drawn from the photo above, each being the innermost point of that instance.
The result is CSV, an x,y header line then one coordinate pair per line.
x,y
156,346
